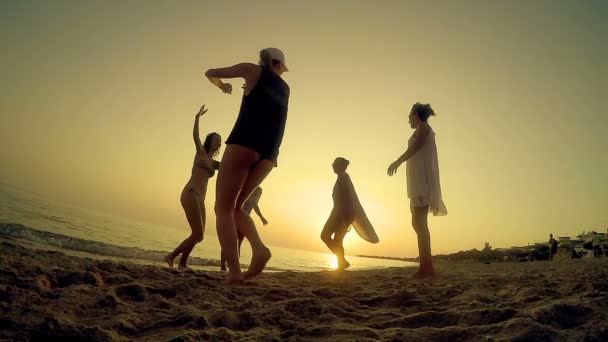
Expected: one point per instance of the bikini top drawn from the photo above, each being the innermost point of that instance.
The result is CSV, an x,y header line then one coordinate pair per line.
x,y
210,167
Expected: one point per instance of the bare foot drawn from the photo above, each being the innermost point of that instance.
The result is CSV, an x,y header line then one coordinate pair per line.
x,y
223,268
183,268
169,260
343,265
258,262
424,274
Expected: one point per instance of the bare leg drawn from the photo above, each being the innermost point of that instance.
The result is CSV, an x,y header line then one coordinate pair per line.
x,y
196,219
241,237
169,260
330,227
234,169
223,262
260,253
197,237
338,228
420,223
339,248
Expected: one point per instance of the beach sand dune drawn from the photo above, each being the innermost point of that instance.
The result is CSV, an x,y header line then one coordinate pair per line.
x,y
48,294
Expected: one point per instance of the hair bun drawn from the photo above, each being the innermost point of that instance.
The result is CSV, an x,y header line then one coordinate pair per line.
x,y
424,111
343,160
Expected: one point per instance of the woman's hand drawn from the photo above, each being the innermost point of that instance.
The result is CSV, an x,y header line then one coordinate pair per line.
x,y
392,169
201,112
226,88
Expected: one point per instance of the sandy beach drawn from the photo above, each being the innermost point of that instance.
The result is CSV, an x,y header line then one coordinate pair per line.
x,y
48,294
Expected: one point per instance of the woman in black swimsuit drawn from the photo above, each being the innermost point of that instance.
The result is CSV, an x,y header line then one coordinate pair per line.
x,y
251,153
193,195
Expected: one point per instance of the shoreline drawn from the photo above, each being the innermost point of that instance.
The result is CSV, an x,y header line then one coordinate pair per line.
x,y
286,259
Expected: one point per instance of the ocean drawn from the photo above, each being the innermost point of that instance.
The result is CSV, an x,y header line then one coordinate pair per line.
x,y
30,218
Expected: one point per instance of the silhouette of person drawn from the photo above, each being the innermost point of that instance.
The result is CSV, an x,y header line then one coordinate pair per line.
x,y
192,198
347,211
251,153
552,247
423,185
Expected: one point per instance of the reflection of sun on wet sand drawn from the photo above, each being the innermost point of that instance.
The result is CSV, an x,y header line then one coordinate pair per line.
x,y
45,295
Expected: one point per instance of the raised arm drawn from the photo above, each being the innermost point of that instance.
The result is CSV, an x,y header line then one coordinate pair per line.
x,y
249,71
420,137
195,133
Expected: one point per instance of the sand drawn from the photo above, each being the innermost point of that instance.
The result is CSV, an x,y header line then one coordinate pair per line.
x,y
47,295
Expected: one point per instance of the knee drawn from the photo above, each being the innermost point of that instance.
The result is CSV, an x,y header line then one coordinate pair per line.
x,y
325,237
223,209
198,237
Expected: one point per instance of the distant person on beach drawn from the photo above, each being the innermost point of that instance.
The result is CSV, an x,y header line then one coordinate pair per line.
x,y
193,194
347,211
251,153
423,186
252,203
552,247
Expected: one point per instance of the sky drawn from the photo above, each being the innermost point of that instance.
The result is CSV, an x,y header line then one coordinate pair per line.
x,y
98,100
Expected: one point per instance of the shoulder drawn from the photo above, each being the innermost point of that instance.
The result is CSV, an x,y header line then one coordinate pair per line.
x,y
424,130
421,133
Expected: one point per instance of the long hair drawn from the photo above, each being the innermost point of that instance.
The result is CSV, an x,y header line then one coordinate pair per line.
x,y
207,143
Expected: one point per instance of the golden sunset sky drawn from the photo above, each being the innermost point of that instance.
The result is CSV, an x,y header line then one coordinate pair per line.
x,y
98,100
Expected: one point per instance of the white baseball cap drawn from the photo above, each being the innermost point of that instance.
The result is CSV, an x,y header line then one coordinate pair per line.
x,y
278,55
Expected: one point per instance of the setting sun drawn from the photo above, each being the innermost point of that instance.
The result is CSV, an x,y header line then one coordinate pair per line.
x,y
333,261
157,156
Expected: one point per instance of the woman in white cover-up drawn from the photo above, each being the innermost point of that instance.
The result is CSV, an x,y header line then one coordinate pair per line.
x,y
423,185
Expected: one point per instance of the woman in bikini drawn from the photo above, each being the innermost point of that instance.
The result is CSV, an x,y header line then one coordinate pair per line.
x,y
193,195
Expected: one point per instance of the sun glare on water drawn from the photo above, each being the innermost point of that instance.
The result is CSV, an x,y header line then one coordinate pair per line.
x,y
333,262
